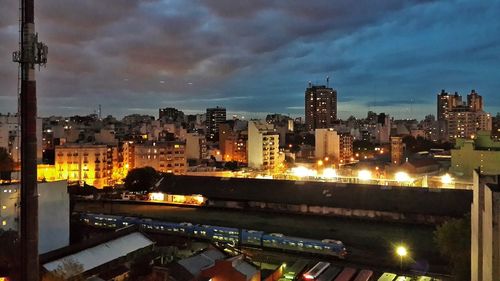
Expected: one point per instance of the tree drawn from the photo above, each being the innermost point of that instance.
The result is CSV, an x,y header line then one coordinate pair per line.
x,y
6,164
453,241
141,179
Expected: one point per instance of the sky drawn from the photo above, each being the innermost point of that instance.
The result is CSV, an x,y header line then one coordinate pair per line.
x,y
255,57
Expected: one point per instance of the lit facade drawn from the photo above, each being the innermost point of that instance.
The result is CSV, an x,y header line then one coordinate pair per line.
x,y
397,150
465,123
320,107
167,157
263,146
336,146
92,164
196,147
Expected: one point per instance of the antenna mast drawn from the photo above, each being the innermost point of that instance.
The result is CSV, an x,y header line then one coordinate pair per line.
x,y
31,53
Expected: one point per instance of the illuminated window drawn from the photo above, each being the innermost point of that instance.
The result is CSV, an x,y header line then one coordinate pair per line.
x,y
4,222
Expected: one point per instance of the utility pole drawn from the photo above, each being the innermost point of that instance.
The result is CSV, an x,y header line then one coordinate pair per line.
x,y
30,54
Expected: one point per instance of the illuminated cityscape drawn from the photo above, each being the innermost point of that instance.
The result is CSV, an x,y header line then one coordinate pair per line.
x,y
253,141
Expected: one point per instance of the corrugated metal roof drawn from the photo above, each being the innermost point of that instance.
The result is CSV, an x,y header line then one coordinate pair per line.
x,y
245,268
196,263
103,253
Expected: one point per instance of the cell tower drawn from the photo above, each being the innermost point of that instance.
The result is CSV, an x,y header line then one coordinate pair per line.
x,y
31,53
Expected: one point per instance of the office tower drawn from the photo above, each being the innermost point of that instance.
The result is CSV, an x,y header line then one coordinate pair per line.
x,y
475,101
446,102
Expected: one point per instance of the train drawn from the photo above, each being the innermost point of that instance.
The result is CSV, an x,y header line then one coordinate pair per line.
x,y
226,235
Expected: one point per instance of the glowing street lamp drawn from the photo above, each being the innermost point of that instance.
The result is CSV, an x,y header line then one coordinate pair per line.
x,y
446,179
402,252
364,175
402,177
329,173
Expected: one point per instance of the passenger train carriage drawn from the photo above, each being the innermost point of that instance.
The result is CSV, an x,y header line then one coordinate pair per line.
x,y
232,236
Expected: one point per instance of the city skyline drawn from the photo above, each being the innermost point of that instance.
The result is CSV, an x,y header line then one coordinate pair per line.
x,y
255,60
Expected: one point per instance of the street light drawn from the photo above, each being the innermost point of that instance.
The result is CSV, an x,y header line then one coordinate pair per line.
x,y
446,179
402,252
402,177
364,175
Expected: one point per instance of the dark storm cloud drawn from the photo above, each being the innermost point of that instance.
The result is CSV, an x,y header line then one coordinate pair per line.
x,y
138,55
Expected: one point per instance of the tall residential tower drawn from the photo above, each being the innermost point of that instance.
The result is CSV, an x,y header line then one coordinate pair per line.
x,y
320,107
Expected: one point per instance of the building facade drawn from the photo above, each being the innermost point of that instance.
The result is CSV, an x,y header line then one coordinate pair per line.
x,y
338,147
167,157
485,229
196,147
320,107
263,146
53,213
89,163
397,150
10,136
482,153
215,116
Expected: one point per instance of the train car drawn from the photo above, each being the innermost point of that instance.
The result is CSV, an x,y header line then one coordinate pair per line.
x,y
364,275
403,278
102,221
346,275
303,245
217,233
251,237
387,277
329,274
316,270
295,270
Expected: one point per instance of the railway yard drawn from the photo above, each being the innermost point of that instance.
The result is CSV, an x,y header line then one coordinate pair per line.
x,y
369,244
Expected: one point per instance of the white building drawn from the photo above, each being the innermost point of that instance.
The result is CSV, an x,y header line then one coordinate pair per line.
x,y
263,145
196,147
53,213
10,136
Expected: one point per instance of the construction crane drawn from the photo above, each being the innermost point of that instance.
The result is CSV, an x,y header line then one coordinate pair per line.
x,y
31,53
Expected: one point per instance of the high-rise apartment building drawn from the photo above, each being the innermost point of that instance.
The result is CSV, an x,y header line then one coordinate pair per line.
x,y
446,102
462,120
263,146
320,107
475,101
171,114
215,116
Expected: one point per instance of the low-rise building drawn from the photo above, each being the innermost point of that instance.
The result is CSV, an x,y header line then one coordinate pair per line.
x,y
480,152
89,163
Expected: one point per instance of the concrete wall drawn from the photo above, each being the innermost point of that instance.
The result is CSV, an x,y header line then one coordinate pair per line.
x,y
53,213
